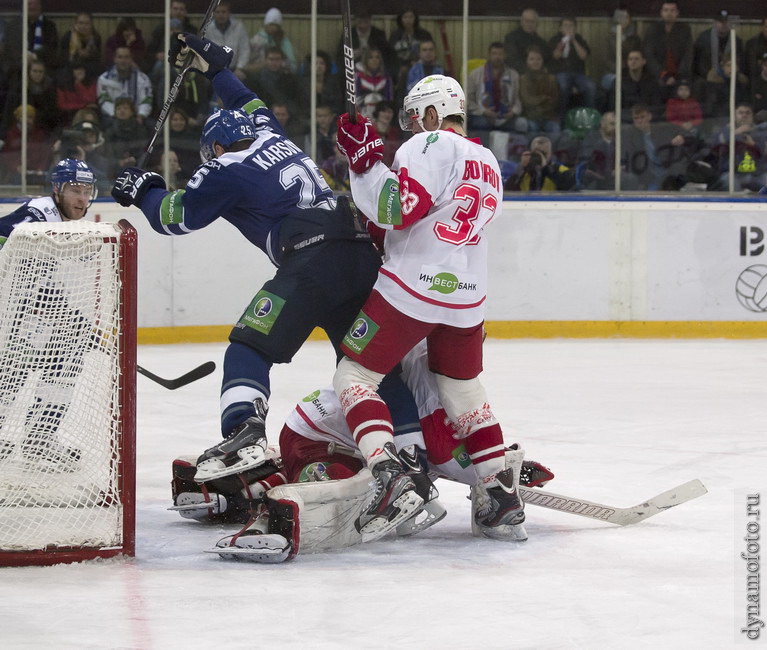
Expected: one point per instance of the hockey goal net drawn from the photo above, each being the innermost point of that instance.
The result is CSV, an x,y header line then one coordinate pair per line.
x,y
67,392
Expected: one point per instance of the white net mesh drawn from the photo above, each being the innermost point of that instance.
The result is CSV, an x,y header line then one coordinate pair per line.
x,y
59,387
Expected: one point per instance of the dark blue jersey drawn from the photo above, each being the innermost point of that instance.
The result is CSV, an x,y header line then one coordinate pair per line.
x,y
42,209
254,189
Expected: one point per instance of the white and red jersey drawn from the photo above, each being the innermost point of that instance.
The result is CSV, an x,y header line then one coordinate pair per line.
x,y
441,192
319,417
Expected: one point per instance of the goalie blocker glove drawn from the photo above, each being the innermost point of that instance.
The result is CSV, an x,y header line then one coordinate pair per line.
x,y
133,183
359,142
206,56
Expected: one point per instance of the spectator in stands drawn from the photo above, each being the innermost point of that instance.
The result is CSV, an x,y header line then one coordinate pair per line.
x,y
38,150
325,121
683,110
759,92
184,140
175,179
716,90
125,137
569,52
597,156
126,34
195,92
713,46
87,114
650,152
539,172
226,30
335,170
85,142
41,93
519,41
273,83
629,41
539,93
124,79
492,95
405,40
76,90
179,22
328,84
756,48
425,66
373,82
270,35
388,129
81,45
367,37
750,150
293,126
668,48
638,86
43,38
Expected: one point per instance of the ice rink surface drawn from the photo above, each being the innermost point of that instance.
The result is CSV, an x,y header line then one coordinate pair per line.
x,y
618,421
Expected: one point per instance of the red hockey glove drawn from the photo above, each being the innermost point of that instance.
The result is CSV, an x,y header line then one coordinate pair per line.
x,y
359,142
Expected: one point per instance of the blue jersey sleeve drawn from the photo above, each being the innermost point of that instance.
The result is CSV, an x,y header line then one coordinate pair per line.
x,y
23,214
209,194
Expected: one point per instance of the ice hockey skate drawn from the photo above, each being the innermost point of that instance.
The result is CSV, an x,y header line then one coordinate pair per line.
x,y
498,511
254,543
241,451
433,511
199,506
395,499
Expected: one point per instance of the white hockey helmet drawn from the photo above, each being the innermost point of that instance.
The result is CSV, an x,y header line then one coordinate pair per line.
x,y
443,93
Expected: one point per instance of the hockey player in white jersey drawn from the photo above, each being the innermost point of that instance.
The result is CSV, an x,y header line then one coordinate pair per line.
x,y
434,203
317,446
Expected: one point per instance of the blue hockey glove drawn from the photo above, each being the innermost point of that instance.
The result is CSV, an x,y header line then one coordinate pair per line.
x,y
132,184
206,56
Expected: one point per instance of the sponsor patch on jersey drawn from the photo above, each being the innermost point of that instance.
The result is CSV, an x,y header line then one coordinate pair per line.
x,y
430,139
252,106
172,209
262,312
447,283
311,396
461,456
360,333
389,210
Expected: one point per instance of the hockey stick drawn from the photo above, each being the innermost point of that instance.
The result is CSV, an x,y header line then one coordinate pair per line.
x,y
349,78
172,384
621,516
173,92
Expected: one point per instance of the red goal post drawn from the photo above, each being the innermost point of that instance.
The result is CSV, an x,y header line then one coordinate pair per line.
x,y
67,392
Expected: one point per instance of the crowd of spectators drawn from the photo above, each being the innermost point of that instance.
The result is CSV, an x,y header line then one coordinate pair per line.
x,y
531,99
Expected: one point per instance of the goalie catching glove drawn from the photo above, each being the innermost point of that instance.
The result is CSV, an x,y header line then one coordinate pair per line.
x,y
359,142
199,54
133,183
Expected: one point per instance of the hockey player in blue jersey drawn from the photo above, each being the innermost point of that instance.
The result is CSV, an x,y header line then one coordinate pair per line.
x,y
267,188
73,190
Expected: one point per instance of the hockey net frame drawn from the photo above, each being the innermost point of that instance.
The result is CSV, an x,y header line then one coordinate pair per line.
x,y
71,515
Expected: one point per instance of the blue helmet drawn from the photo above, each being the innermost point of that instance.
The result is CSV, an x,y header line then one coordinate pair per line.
x,y
225,127
73,171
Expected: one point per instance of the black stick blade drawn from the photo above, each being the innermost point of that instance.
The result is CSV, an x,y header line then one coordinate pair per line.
x,y
172,384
